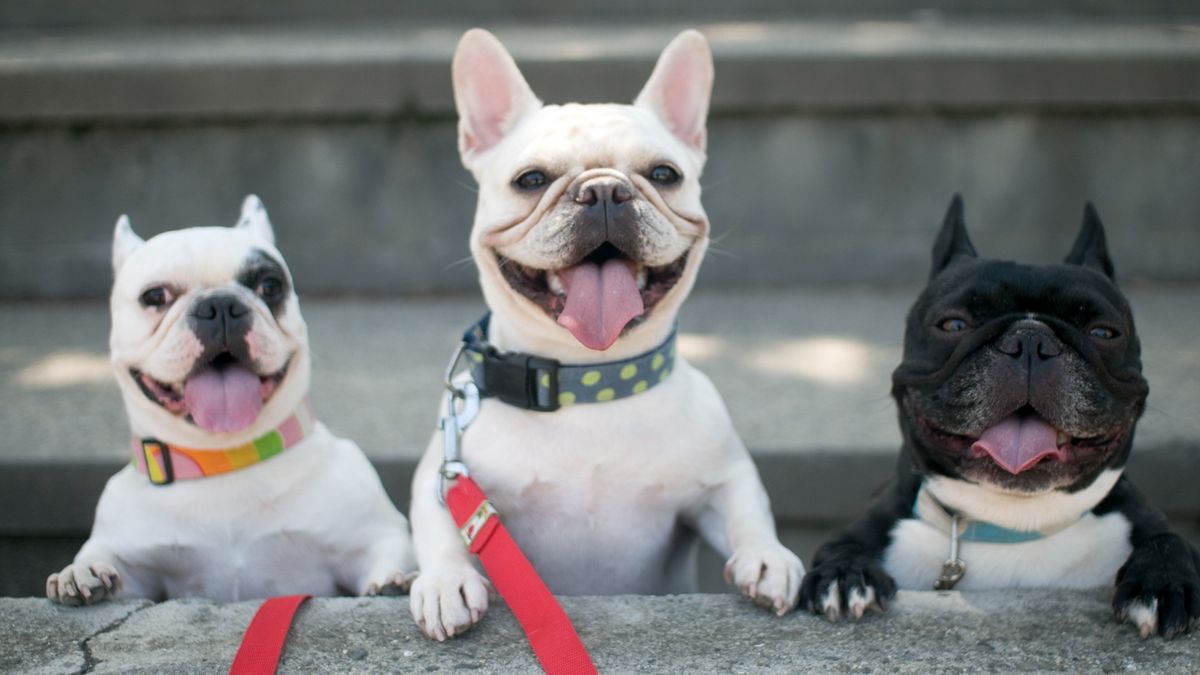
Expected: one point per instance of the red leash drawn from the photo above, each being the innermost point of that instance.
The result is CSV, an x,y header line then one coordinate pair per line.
x,y
262,645
553,638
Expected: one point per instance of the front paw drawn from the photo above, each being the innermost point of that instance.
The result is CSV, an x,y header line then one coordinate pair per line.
x,y
847,585
396,583
769,575
1158,588
447,602
83,584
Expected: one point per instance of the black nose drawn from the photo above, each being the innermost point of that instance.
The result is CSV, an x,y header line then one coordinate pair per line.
x,y
220,320
603,192
1029,338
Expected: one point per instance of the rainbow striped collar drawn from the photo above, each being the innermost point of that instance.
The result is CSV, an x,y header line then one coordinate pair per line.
x,y
164,464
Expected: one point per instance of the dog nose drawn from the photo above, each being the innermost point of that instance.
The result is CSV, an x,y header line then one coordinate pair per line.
x,y
220,320
603,191
1032,338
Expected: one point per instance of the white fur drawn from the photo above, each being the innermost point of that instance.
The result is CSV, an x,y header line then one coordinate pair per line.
x,y
1020,511
1144,616
602,498
1084,555
314,519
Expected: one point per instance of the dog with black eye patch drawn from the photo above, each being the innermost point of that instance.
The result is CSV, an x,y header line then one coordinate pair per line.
x,y
235,490
1018,395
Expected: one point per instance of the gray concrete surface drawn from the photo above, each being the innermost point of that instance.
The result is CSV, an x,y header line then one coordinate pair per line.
x,y
834,147
1035,630
803,371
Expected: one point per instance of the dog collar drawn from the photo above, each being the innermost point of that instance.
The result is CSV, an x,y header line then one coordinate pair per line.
x,y
164,464
545,385
929,509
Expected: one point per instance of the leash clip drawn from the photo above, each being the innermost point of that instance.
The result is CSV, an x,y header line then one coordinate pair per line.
x,y
453,423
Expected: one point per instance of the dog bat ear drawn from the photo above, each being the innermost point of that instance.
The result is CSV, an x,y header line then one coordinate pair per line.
x,y
952,242
679,89
125,241
489,91
1091,248
254,218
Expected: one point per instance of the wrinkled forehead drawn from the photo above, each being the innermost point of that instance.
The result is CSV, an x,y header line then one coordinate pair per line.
x,y
995,287
197,257
595,136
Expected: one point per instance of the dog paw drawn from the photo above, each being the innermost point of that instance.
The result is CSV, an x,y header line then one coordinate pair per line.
x,y
769,575
1158,589
847,586
397,583
83,584
446,603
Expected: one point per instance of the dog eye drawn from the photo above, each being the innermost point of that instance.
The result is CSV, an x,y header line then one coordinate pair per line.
x,y
664,175
269,287
1103,332
953,324
530,180
156,297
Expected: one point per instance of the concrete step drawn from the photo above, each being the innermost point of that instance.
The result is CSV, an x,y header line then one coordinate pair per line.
x,y
996,631
835,144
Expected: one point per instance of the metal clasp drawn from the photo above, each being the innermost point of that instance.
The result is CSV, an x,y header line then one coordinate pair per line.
x,y
953,568
453,422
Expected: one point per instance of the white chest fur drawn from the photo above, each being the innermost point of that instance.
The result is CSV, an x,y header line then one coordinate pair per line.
x,y
1086,554
596,494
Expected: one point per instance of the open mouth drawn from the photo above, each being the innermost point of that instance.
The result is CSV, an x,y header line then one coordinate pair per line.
x,y
599,297
1021,442
223,396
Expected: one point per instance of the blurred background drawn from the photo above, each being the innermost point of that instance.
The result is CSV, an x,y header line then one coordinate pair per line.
x,y
838,132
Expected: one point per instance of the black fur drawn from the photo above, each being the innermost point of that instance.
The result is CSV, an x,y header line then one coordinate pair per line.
x,y
258,266
1023,337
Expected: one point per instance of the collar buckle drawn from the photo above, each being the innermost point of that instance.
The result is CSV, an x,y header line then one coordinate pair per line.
x,y
523,380
167,474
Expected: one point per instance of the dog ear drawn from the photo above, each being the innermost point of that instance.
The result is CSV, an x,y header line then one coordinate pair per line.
x,y
489,92
679,89
952,242
125,241
1091,248
254,218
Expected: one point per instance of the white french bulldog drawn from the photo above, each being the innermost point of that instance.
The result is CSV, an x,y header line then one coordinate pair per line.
x,y
588,235
235,491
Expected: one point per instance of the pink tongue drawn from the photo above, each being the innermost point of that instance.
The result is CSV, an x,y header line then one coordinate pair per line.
x,y
224,400
601,299
1018,442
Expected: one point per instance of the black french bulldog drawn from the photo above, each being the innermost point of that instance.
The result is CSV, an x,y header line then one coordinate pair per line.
x,y
1018,396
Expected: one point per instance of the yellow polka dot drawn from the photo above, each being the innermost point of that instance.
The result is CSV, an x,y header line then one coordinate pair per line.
x,y
605,394
656,362
663,375
628,372
590,378
545,380
640,386
477,356
566,398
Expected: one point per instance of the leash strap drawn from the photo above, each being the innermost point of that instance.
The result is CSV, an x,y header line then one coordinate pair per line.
x,y
262,645
545,385
548,628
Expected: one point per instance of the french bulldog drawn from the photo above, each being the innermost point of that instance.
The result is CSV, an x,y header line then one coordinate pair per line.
x,y
588,235
211,357
1018,395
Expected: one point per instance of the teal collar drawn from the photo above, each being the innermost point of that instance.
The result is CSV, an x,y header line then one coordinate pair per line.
x,y
928,508
536,383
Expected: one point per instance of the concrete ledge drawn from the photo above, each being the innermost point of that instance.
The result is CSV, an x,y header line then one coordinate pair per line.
x,y
924,631
387,68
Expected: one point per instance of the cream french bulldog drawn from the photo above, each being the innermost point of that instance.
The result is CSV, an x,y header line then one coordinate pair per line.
x,y
235,491
588,235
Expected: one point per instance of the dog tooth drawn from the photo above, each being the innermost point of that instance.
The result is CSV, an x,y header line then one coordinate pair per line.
x,y
555,283
640,278
1063,438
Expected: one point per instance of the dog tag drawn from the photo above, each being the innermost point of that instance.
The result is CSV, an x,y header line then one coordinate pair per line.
x,y
952,571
